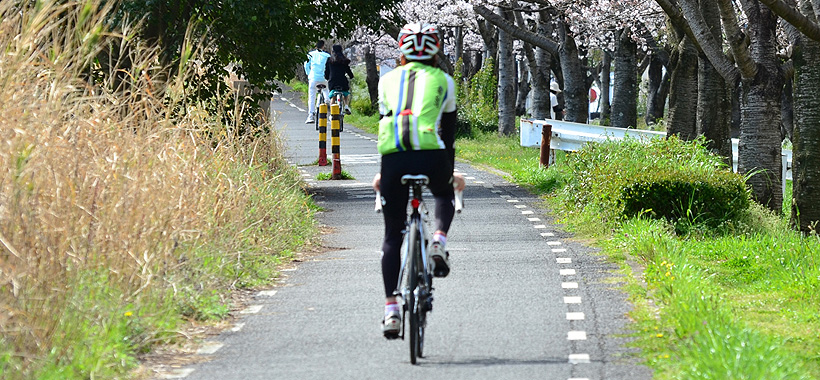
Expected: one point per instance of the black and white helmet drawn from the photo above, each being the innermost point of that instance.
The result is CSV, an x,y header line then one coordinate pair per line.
x,y
419,41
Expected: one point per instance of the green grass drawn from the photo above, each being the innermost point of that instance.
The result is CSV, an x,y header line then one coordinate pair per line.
x,y
327,176
727,303
369,124
517,163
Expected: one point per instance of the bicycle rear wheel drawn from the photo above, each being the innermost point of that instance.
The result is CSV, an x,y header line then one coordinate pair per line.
x,y
316,111
416,333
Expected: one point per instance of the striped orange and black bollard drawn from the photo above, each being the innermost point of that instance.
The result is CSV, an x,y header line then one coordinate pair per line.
x,y
322,134
335,139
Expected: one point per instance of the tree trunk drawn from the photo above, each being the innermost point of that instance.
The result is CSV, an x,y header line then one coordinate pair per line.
x,y
506,82
478,62
759,149
787,109
658,87
575,91
606,69
489,34
654,103
625,93
459,42
523,89
714,107
466,65
683,91
372,78
540,71
805,208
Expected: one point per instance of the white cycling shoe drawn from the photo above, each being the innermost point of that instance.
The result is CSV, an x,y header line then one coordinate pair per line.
x,y
440,258
391,325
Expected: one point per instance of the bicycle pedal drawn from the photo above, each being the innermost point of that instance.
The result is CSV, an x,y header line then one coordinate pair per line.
x,y
428,304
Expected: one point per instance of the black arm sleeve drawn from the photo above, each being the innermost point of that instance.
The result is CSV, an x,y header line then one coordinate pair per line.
x,y
448,135
327,71
349,72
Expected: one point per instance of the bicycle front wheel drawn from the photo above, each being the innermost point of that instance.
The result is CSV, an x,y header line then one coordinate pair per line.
x,y
413,302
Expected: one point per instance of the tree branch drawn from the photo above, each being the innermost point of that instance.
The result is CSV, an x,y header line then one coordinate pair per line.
x,y
523,35
816,5
740,49
708,44
677,19
794,17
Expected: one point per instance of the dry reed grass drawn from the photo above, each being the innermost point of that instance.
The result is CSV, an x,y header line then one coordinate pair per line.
x,y
109,208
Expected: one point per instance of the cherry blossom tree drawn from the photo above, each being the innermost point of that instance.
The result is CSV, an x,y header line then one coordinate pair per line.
x,y
757,67
805,209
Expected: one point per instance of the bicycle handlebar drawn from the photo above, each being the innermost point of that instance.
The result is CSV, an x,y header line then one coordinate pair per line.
x,y
459,201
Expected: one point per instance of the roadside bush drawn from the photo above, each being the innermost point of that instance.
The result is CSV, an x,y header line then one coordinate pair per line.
x,y
359,95
685,202
476,98
663,178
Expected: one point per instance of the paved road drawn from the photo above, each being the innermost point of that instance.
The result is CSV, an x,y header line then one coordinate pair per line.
x,y
523,301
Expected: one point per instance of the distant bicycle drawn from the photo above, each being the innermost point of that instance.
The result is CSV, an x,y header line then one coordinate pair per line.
x,y
320,99
415,288
337,96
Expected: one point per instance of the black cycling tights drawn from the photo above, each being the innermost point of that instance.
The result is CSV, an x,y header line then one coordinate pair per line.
x,y
436,165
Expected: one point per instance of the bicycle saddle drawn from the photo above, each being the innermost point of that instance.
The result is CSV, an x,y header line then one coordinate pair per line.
x,y
320,86
415,178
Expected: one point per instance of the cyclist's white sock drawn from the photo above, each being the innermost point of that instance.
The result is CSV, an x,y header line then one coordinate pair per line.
x,y
440,237
391,308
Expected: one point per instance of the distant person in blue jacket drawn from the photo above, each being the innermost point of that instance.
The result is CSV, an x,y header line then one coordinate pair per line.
x,y
315,70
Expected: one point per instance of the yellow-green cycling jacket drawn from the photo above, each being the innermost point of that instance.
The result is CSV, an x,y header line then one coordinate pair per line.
x,y
412,99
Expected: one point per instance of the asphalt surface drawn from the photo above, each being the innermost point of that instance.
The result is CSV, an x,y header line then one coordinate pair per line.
x,y
523,300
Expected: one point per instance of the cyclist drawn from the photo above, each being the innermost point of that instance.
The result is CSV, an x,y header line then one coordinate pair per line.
x,y
336,71
417,104
315,70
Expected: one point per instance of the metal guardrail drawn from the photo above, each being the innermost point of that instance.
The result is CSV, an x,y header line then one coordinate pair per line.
x,y
568,136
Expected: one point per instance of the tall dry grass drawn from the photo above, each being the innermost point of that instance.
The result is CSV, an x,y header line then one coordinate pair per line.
x,y
116,214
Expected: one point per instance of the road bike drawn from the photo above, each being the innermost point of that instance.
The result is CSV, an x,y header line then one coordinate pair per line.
x,y
415,288
320,99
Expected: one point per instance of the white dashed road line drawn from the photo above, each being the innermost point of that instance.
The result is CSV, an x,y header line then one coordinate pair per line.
x,y
578,358
577,335
567,272
572,335
572,300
